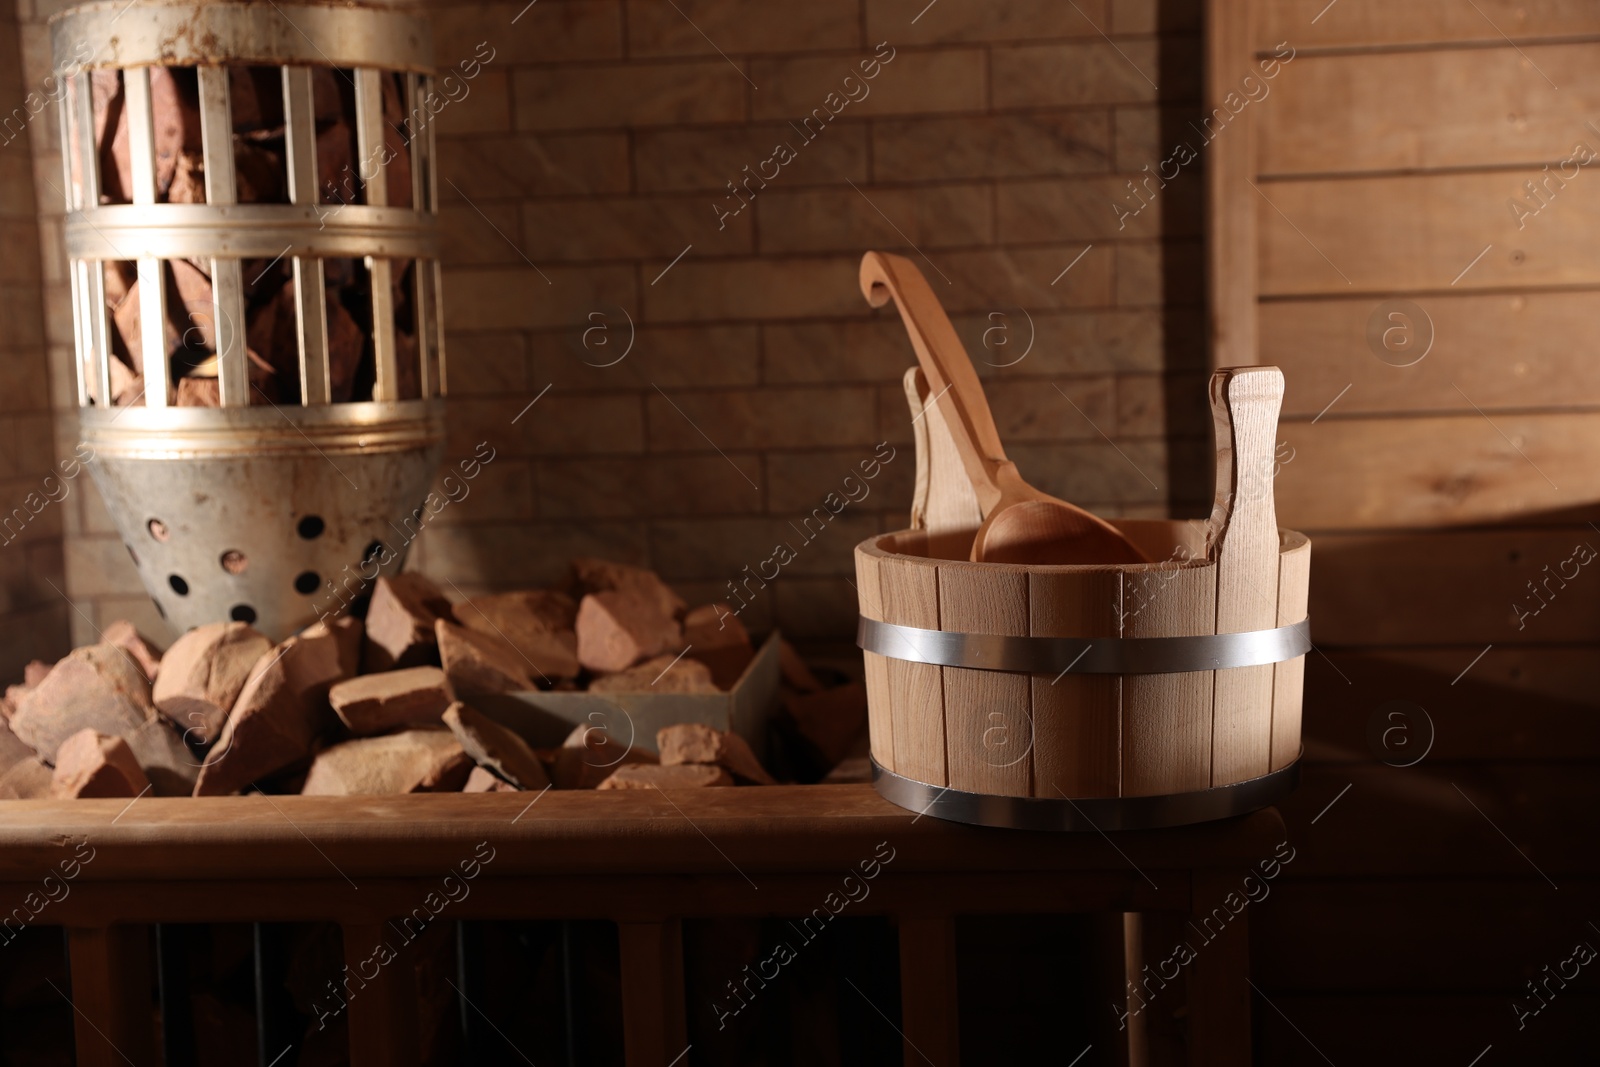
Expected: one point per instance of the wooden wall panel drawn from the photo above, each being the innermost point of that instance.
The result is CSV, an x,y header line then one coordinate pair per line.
x,y
1503,350
1357,23
1452,470
1395,933
1401,111
1532,704
1231,246
1432,588
1391,160
1391,823
1422,233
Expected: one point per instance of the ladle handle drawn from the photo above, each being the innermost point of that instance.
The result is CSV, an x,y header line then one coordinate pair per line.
x,y
951,377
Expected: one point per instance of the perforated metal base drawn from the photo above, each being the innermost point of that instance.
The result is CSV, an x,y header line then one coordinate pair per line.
x,y
1095,813
271,516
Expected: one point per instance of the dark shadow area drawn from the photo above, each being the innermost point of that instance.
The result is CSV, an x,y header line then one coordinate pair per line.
x,y
1178,190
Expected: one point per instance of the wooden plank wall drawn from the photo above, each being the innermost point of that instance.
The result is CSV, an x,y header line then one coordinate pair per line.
x,y
1451,503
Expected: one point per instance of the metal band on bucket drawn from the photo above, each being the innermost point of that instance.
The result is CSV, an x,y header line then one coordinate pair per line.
x,y
1093,813
1078,655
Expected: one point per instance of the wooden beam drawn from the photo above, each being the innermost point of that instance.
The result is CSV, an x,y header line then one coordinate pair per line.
x,y
653,1024
382,1009
928,994
1219,975
114,1010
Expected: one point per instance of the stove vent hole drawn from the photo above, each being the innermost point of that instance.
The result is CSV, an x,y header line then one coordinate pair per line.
x,y
158,529
373,551
234,561
307,582
179,586
242,613
311,527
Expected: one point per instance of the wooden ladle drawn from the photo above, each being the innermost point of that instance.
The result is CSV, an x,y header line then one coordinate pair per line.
x,y
1021,524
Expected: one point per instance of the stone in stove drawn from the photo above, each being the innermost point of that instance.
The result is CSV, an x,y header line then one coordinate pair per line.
x,y
619,628
411,761
495,747
537,623
682,776
400,618
375,703
479,665
603,576
203,673
283,708
666,673
90,764
483,780
96,687
695,743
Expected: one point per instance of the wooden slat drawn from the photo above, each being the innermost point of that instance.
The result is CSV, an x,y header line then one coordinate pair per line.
x,y
383,1012
1166,721
1232,249
928,995
1422,232
1288,678
653,1023
1503,350
1218,977
1077,718
1451,470
987,714
1245,403
1452,588
1475,107
111,992
1355,23
909,588
880,717
1131,973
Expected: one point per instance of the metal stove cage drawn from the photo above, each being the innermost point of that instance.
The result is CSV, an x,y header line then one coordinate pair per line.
x,y
270,511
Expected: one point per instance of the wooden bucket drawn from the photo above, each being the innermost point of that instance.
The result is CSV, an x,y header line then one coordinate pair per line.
x,y
1079,697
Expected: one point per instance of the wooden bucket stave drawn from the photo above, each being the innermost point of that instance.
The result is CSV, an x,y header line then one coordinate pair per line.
x,y
1075,749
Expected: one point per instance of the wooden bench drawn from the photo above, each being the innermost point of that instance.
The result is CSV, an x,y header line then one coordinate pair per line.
x,y
644,860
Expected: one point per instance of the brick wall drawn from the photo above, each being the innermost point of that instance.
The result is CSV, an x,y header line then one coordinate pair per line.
x,y
34,498
586,202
